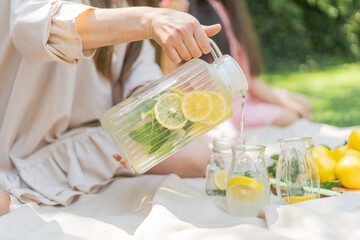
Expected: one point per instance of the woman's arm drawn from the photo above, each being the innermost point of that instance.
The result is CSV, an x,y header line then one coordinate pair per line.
x,y
179,34
265,93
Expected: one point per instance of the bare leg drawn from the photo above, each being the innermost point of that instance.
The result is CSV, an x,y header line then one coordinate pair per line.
x,y
4,203
301,99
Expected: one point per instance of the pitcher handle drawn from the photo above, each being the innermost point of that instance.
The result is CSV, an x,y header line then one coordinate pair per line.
x,y
215,51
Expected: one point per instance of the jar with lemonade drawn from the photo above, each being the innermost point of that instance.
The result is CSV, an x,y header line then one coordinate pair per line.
x,y
165,116
248,187
218,166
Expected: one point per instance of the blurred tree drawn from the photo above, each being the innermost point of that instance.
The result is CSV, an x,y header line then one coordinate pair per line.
x,y
306,32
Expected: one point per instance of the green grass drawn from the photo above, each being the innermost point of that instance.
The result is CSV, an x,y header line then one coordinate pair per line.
x,y
334,92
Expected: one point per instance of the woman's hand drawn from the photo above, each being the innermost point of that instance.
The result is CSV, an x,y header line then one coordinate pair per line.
x,y
180,34
118,158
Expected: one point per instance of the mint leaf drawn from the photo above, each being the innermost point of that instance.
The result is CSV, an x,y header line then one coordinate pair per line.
x,y
188,126
142,111
330,184
146,108
141,134
168,146
298,191
158,136
275,157
250,174
151,134
272,170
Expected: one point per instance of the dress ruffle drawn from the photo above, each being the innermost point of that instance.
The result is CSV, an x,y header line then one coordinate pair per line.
x,y
67,168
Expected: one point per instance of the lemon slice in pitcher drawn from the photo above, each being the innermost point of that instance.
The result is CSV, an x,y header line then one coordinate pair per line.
x,y
175,90
219,108
168,111
197,106
220,179
243,188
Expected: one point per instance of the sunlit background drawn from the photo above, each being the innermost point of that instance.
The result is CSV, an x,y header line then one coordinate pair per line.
x,y
312,46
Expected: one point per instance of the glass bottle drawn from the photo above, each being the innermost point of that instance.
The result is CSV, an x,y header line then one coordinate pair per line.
x,y
219,163
297,177
248,187
165,116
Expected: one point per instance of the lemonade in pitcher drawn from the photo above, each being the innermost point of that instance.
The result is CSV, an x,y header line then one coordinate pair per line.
x,y
248,188
168,114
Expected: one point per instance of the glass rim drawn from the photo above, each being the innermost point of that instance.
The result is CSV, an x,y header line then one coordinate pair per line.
x,y
248,147
294,139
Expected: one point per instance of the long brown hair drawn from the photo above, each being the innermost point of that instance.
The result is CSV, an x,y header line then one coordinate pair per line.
x,y
242,26
103,55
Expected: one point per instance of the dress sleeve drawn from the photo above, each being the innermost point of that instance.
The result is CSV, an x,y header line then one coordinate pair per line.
x,y
145,70
44,31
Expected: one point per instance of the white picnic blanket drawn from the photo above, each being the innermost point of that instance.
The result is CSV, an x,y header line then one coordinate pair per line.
x,y
168,207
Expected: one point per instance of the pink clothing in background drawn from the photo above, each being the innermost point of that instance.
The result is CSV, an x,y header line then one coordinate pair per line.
x,y
257,113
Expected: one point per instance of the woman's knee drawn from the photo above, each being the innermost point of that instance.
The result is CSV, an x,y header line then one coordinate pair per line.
x,y
303,100
286,117
191,161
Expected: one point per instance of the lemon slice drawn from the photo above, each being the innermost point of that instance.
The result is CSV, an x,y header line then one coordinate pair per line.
x,y
296,199
197,106
175,90
220,179
168,111
243,188
219,108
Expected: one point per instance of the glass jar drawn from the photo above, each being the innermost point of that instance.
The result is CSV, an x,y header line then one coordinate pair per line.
x,y
165,116
297,176
218,166
248,187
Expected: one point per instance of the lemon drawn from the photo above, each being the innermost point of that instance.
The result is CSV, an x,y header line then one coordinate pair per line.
x,y
197,106
297,199
354,139
326,167
347,170
168,111
243,188
175,90
220,179
352,152
319,151
338,152
219,108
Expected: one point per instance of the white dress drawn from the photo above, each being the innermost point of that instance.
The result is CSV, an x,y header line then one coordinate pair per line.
x,y
49,90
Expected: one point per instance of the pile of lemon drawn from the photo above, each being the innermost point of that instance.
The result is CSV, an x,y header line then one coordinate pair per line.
x,y
174,109
341,163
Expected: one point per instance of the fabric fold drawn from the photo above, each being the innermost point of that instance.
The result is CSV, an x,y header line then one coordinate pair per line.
x,y
70,167
59,42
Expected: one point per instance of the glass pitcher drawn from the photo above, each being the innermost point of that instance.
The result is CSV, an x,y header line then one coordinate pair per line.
x,y
297,177
156,122
248,187
218,166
